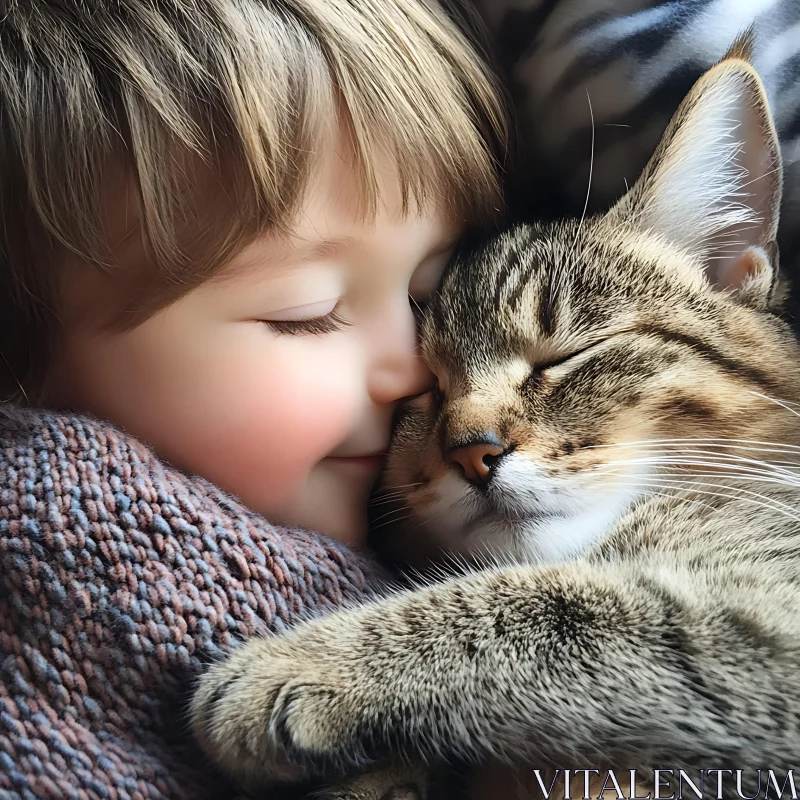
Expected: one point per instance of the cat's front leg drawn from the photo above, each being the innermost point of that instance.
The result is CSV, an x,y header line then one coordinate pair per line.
x,y
325,698
613,664
435,671
291,707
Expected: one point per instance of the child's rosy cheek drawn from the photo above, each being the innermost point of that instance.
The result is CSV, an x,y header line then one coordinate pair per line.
x,y
277,427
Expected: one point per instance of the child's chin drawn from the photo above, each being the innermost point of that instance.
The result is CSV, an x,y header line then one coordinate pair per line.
x,y
348,528
341,511
332,500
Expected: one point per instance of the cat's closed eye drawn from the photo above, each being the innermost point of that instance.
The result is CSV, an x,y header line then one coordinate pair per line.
x,y
536,376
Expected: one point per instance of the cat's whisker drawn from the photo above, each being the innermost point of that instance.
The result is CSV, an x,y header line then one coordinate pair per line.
x,y
665,480
694,455
384,497
724,496
690,466
780,403
781,399
789,467
703,457
757,471
588,194
672,450
375,528
720,441
398,494
394,511
376,504
652,492
394,493
395,487
728,476
720,448
722,454
386,501
401,515
736,494
774,476
591,171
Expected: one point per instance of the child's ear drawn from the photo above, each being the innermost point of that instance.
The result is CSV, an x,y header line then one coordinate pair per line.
x,y
714,184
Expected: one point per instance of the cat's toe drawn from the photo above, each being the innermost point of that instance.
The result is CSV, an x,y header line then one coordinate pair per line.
x,y
269,715
242,717
312,723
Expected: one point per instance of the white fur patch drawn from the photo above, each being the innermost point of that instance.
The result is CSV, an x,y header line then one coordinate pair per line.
x,y
528,515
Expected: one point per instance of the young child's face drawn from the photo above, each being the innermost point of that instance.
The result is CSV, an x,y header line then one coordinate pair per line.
x,y
293,423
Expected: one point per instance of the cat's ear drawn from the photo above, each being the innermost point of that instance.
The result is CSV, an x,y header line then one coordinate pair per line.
x,y
713,186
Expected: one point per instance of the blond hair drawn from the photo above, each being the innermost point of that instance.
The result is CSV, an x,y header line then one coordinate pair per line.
x,y
243,89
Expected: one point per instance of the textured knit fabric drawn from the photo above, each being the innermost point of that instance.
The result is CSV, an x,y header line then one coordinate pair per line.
x,y
120,578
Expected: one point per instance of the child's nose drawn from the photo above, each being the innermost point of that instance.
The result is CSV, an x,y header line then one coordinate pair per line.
x,y
403,376
398,370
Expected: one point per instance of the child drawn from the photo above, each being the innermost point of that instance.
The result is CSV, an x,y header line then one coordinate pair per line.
x,y
214,214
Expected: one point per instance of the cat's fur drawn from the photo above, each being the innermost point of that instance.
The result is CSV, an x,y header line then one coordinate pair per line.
x,y
635,374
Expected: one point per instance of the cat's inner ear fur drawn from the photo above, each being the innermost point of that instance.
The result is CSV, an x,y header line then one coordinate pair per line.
x,y
713,186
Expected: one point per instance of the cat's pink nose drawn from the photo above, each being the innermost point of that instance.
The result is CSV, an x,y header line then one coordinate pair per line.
x,y
476,461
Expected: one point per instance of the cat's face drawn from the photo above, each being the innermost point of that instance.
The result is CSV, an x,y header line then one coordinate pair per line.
x,y
575,360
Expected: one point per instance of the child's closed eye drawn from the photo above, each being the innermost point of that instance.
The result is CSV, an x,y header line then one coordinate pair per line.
x,y
307,319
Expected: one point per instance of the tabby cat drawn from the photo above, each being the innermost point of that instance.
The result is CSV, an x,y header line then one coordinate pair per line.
x,y
615,414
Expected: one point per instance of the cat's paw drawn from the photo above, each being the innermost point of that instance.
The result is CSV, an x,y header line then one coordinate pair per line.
x,y
278,710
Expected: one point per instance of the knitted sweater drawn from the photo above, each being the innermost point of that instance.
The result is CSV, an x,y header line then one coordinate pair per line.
x,y
119,579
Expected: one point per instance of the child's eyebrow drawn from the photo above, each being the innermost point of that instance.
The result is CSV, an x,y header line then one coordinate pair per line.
x,y
300,255
327,249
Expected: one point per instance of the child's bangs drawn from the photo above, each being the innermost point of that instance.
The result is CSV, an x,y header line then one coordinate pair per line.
x,y
409,85
398,78
217,119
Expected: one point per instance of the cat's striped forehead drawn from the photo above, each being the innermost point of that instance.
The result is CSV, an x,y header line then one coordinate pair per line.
x,y
537,291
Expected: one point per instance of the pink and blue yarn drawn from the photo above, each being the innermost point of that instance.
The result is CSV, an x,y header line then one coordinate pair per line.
x,y
120,579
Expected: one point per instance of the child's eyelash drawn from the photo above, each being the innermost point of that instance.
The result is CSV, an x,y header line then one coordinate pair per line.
x,y
330,323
